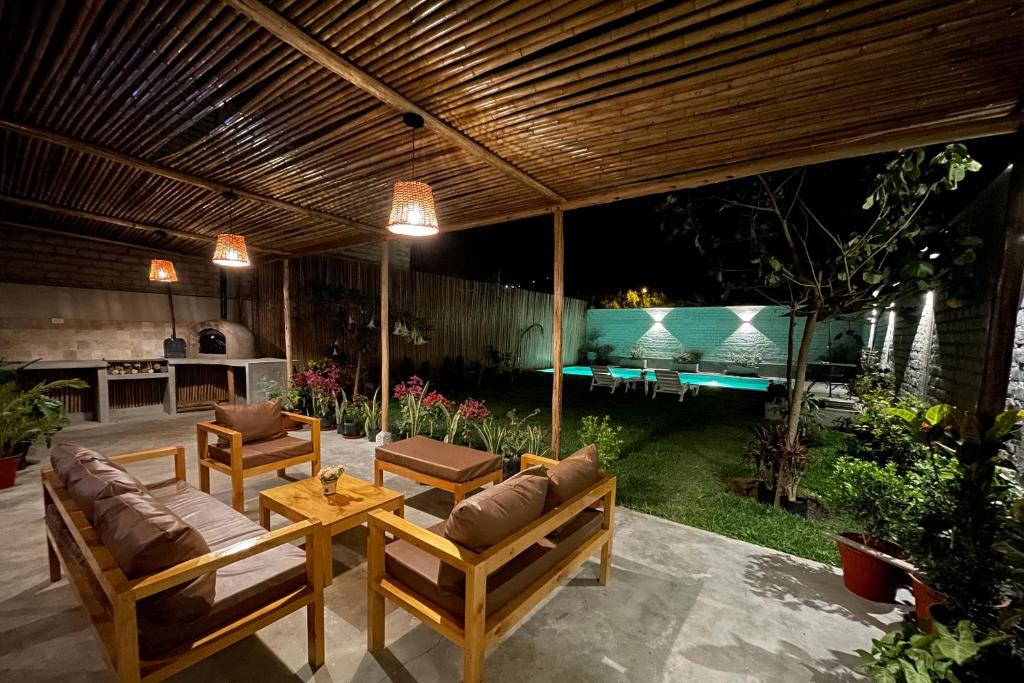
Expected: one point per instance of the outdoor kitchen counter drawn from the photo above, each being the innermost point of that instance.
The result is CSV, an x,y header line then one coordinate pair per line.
x,y
256,375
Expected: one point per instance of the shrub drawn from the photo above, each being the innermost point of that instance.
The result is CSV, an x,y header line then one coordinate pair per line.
x,y
780,469
875,495
686,357
749,359
604,435
885,430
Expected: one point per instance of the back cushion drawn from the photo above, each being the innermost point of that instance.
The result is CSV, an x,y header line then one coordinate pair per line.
x,y
256,422
494,514
89,479
145,537
66,456
572,475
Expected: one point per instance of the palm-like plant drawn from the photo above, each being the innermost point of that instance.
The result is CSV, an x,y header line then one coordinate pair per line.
x,y
29,415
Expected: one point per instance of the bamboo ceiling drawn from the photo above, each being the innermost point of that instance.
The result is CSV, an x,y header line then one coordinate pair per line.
x,y
121,117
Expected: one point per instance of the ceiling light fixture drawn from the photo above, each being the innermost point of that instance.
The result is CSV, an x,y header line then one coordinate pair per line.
x,y
161,270
231,250
412,204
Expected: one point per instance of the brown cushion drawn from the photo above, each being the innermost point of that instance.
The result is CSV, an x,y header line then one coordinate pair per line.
x,y
572,475
90,478
438,459
145,537
424,573
256,422
66,456
492,515
264,452
241,587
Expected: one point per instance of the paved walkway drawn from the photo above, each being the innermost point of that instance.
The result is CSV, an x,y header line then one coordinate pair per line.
x,y
682,605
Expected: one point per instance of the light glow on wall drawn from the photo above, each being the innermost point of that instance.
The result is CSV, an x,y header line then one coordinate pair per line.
x,y
657,314
746,313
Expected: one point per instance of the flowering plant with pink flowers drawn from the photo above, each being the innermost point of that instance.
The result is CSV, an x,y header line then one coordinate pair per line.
x,y
411,387
319,385
473,410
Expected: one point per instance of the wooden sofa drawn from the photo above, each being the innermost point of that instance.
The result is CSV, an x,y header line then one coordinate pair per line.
x,y
268,579
446,466
254,449
491,602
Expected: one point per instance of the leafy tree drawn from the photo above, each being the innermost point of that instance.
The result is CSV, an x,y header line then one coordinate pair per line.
x,y
769,237
355,320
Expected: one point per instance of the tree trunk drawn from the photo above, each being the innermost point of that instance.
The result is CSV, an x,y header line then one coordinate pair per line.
x,y
359,371
789,355
785,480
793,430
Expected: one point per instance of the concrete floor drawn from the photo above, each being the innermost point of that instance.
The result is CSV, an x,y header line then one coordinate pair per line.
x,y
683,604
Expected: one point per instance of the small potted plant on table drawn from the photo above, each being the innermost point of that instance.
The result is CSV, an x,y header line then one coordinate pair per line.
x,y
329,477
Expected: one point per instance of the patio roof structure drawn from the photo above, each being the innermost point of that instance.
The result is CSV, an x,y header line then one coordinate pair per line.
x,y
129,120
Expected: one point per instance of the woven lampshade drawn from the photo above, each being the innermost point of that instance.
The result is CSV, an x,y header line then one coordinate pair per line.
x,y
162,271
231,251
412,210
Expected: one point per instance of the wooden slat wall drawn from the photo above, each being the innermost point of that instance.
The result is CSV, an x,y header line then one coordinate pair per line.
x,y
136,393
467,316
75,400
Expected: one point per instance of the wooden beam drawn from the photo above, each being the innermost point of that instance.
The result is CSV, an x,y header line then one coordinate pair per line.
x,y
556,336
91,238
874,144
385,370
273,22
1007,278
180,176
287,303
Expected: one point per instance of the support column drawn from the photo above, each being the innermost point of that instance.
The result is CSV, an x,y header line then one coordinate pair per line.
x,y
1006,293
556,336
287,299
385,369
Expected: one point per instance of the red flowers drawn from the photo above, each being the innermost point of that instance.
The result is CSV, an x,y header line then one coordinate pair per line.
x,y
435,399
412,387
474,410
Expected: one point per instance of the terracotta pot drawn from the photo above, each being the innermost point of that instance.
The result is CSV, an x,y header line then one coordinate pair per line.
x,y
925,599
8,470
868,576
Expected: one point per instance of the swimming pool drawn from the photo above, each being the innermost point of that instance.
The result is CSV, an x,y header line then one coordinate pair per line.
x,y
704,379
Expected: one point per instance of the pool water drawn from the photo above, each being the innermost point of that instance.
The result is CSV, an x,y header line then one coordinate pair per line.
x,y
704,379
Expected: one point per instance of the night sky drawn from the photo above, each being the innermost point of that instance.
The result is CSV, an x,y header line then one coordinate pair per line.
x,y
617,246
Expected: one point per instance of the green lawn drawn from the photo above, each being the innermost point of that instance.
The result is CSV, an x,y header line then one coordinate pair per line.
x,y
678,458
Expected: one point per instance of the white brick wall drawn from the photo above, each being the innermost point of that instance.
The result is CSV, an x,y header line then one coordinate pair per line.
x,y
716,331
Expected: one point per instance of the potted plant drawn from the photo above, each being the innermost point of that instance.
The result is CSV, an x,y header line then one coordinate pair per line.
x,y
634,357
603,354
371,412
778,470
27,416
348,416
744,364
687,361
329,477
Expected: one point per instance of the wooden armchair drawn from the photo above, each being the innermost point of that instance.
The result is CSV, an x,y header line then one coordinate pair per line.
x,y
240,459
111,599
479,627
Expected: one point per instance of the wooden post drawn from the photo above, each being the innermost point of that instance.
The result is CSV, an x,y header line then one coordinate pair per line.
x,y
556,335
1008,275
287,299
385,370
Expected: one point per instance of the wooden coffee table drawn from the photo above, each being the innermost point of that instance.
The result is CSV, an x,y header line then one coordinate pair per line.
x,y
344,510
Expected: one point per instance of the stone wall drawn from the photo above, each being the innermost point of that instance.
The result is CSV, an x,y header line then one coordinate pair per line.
x,y
718,332
64,298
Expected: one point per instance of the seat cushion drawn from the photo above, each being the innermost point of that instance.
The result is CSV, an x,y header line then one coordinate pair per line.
x,y
422,572
445,461
242,586
264,452
492,515
572,476
88,479
145,537
256,422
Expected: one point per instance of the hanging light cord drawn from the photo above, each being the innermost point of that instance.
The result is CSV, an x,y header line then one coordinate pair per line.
x,y
413,154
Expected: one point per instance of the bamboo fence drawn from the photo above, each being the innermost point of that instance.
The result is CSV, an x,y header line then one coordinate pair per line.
x,y
466,316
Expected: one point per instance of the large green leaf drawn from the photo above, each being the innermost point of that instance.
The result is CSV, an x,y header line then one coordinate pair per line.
x,y
1004,424
938,413
957,650
907,415
912,674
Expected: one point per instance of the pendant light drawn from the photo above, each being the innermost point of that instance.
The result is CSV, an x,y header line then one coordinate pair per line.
x,y
161,270
412,204
231,250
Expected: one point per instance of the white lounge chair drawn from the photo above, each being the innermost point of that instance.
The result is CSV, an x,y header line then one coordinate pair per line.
x,y
602,377
667,382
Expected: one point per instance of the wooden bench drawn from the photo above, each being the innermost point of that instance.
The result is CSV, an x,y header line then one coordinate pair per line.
x,y
476,628
110,598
